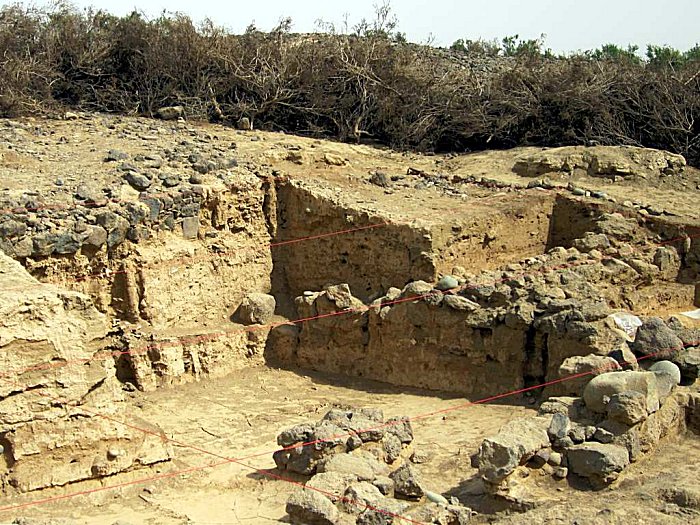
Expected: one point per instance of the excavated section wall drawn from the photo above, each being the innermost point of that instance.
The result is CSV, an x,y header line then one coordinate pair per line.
x,y
194,273
493,236
55,381
369,260
431,343
410,344
373,260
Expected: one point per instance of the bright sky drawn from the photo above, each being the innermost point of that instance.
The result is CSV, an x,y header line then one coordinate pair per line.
x,y
569,24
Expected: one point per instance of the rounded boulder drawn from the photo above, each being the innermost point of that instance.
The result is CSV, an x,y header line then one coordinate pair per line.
x,y
667,367
257,308
601,388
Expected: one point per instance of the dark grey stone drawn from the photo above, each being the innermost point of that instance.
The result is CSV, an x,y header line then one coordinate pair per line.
x,y
67,243
353,442
368,426
136,213
154,207
383,513
190,210
116,237
86,193
138,233
577,434
407,484
138,181
114,155
128,166
297,434
43,244
381,179
603,436
600,463
97,236
401,428
392,447
563,443
202,167
171,181
108,219
12,228
195,158
559,427
169,221
654,337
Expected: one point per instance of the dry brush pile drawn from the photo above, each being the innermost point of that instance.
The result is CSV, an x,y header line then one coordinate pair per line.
x,y
363,83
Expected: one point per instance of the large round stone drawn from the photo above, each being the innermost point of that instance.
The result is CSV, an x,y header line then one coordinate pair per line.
x,y
601,388
257,308
667,367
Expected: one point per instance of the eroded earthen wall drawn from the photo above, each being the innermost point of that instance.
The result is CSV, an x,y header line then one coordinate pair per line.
x,y
60,399
199,271
416,345
506,232
369,260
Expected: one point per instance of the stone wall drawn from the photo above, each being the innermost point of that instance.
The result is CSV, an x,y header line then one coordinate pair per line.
x,y
425,344
171,259
498,333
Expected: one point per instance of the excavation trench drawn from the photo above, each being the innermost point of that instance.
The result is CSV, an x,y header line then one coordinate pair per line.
x,y
510,342
179,292
360,275
293,240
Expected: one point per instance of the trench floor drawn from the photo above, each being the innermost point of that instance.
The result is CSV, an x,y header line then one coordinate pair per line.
x,y
240,415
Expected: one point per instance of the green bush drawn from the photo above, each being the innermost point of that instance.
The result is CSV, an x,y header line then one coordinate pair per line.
x,y
615,53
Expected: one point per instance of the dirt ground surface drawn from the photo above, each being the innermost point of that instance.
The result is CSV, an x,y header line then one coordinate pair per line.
x,y
38,153
223,429
240,415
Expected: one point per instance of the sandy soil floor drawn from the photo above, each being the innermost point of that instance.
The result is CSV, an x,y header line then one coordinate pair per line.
x,y
240,415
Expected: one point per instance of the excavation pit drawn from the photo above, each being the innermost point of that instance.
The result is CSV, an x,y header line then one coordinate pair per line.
x,y
147,320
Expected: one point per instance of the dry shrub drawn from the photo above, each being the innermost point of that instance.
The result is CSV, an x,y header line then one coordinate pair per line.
x,y
367,83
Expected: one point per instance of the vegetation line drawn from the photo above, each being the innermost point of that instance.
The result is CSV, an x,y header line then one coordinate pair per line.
x,y
361,83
